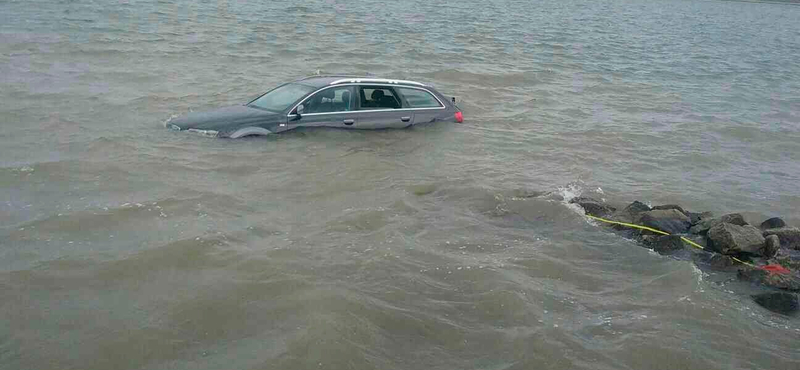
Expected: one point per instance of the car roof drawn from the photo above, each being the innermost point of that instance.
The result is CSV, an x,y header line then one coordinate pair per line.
x,y
326,80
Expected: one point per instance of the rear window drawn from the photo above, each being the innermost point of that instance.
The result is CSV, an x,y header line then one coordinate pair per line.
x,y
378,97
419,98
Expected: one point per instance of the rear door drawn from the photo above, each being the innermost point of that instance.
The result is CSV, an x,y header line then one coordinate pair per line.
x,y
424,104
379,106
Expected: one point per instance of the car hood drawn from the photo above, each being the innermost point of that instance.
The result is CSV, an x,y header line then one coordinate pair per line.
x,y
225,119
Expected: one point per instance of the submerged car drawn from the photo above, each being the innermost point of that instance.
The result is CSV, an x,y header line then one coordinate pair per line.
x,y
326,101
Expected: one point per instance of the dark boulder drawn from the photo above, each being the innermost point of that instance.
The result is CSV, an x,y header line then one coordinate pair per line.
x,y
780,302
704,225
721,261
788,259
671,221
772,223
734,218
632,213
593,207
733,239
697,217
771,279
669,206
664,244
715,260
771,246
789,236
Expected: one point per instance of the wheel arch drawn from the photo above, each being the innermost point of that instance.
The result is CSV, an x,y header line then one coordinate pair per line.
x,y
249,131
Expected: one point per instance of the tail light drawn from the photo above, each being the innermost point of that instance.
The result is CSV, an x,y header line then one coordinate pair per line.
x,y
459,117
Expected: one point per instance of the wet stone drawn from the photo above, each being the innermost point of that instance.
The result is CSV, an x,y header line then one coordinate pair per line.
x,y
671,221
664,244
780,302
697,217
789,261
775,280
593,207
632,212
669,206
789,236
772,223
715,261
771,246
734,239
706,224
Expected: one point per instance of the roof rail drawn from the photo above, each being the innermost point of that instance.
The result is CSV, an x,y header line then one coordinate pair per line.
x,y
377,80
329,75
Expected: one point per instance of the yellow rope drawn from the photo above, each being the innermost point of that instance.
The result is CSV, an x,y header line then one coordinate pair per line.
x,y
662,233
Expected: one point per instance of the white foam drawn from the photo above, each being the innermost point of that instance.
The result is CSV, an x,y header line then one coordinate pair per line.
x,y
699,276
168,123
570,192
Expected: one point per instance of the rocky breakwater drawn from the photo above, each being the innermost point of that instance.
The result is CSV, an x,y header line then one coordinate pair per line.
x,y
768,255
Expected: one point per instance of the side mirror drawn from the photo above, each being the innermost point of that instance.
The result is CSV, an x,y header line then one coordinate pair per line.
x,y
297,112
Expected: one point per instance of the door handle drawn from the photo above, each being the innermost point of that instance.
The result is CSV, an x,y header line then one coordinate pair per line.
x,y
405,119
348,121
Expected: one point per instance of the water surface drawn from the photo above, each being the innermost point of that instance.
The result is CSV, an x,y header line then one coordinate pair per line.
x,y
127,246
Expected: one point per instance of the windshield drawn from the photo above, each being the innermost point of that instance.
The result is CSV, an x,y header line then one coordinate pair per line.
x,y
281,98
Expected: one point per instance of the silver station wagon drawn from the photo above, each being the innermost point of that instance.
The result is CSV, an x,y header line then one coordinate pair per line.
x,y
327,101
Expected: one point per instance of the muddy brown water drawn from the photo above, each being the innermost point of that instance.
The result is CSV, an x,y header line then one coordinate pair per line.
x,y
127,246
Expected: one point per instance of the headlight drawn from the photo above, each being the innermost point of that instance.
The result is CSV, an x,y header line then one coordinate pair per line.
x,y
209,133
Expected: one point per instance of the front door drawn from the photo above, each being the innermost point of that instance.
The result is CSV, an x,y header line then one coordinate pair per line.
x,y
331,107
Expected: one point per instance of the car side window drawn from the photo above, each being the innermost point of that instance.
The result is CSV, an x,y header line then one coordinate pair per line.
x,y
335,99
378,97
417,98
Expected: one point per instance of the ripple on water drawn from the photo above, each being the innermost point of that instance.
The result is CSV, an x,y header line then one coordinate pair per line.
x,y
125,245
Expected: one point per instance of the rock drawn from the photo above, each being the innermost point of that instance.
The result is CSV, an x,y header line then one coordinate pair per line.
x,y
734,218
789,236
697,217
721,261
733,239
772,223
705,224
631,213
664,244
785,260
714,260
771,246
593,207
780,302
780,281
669,206
671,221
